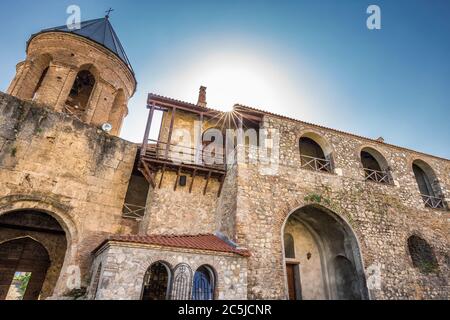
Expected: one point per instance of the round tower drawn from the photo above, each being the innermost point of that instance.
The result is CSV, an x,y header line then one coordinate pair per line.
x,y
83,72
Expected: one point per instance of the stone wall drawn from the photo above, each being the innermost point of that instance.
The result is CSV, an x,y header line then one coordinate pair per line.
x,y
53,163
382,216
181,212
124,267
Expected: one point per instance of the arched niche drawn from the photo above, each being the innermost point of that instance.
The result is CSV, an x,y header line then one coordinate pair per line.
x,y
43,229
315,153
157,282
375,166
327,256
428,185
78,100
204,283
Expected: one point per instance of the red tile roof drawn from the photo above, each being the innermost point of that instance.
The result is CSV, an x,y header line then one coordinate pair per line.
x,y
207,242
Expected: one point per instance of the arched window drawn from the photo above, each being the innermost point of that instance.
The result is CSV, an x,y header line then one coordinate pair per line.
x,y
204,284
80,94
428,185
39,84
156,282
375,166
289,246
422,255
312,154
182,280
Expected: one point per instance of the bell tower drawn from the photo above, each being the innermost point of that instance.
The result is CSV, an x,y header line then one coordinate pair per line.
x,y
83,72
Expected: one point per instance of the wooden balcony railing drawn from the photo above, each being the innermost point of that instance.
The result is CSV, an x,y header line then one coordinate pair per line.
x,y
433,202
132,211
377,176
183,155
316,164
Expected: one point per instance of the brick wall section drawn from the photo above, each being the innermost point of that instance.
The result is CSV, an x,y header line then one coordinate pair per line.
x,y
54,162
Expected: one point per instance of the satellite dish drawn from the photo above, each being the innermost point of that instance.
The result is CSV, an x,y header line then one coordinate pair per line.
x,y
107,127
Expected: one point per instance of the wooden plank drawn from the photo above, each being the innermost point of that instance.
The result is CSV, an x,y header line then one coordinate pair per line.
x,y
162,176
148,174
199,146
177,179
199,168
222,181
194,174
172,121
207,182
147,129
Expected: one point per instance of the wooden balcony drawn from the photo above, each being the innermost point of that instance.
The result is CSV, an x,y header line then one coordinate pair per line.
x,y
161,156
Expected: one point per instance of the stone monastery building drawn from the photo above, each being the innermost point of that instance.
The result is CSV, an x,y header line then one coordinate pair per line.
x,y
320,214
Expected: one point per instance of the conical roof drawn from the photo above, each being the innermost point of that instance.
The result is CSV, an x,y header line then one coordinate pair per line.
x,y
99,31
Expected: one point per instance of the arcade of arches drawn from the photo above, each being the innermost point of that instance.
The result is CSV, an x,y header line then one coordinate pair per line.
x,y
31,243
322,257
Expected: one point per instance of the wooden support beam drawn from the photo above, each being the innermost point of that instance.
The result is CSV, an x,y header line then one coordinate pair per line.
x,y
177,179
172,121
207,182
148,174
162,175
194,174
147,129
199,168
199,146
222,181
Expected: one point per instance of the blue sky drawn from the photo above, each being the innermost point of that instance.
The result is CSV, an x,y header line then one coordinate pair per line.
x,y
311,60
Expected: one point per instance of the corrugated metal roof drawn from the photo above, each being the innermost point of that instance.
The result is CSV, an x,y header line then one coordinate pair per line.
x,y
99,31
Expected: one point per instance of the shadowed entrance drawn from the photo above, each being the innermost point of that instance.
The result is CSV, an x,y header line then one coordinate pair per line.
x,y
23,268
322,257
32,251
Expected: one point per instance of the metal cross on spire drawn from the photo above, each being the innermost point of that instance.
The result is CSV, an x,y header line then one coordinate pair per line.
x,y
108,12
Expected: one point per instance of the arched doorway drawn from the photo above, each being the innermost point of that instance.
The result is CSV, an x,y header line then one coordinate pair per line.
x,y
204,285
322,257
23,268
156,282
32,252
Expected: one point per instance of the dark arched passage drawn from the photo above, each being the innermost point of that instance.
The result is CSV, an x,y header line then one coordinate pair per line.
x,y
157,282
327,257
43,244
23,268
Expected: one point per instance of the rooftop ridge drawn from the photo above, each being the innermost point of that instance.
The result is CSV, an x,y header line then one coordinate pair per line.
x,y
238,105
99,31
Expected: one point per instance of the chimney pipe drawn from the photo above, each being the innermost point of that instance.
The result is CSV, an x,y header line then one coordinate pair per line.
x,y
202,97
